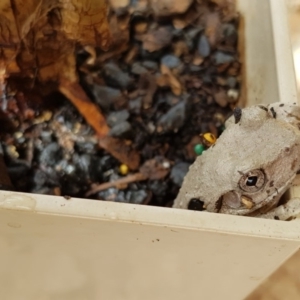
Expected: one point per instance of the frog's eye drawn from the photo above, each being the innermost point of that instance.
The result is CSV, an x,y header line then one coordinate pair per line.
x,y
252,181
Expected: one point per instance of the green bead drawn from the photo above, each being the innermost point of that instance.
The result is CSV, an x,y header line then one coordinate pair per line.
x,y
199,149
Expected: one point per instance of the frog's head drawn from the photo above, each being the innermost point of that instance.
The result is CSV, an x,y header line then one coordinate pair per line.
x,y
251,165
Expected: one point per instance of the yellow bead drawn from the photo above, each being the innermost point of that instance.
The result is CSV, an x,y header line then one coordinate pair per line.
x,y
209,138
124,169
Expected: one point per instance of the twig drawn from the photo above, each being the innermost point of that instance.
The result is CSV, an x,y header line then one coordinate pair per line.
x,y
125,180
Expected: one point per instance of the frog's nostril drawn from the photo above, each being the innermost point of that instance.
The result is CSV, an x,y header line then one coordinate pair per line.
x,y
196,204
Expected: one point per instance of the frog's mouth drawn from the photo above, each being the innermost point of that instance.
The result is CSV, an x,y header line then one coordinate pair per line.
x,y
237,203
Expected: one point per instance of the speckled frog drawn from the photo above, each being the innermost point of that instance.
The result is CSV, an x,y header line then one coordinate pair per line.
x,y
253,162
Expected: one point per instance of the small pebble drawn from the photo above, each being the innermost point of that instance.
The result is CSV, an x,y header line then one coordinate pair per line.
x,y
232,82
39,178
230,33
166,164
138,69
83,162
12,151
122,129
192,32
199,148
171,61
115,76
46,136
178,172
51,154
20,138
136,197
108,195
233,94
117,117
67,168
87,147
135,105
203,46
121,197
173,119
150,65
106,96
18,135
123,169
151,127
44,117
158,187
223,58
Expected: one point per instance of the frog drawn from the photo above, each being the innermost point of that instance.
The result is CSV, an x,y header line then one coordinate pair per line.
x,y
252,164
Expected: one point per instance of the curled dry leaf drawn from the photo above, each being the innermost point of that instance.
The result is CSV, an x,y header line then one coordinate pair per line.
x,y
37,36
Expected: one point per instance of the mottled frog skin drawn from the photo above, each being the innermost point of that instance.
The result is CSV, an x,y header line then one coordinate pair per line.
x,y
252,164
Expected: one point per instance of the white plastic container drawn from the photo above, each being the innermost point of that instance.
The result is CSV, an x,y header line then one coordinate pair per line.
x,y
53,248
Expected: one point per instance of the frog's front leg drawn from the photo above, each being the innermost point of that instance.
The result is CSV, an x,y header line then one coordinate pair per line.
x,y
285,212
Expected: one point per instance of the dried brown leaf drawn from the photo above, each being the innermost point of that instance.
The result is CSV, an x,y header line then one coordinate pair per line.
x,y
156,39
121,151
38,36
